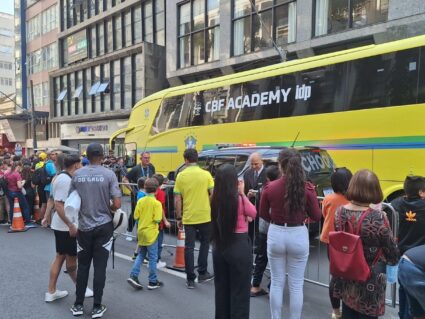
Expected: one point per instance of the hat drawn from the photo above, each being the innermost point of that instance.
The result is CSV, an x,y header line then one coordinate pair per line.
x,y
94,149
120,221
85,161
42,156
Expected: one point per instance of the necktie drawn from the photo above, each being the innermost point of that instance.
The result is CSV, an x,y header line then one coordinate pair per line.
x,y
255,177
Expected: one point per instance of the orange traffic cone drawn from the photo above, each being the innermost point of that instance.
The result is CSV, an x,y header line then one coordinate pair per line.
x,y
17,222
36,209
179,261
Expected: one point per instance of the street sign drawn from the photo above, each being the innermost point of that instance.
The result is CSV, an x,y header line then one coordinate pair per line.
x,y
18,149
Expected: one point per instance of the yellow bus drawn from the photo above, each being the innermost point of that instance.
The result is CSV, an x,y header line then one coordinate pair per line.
x,y
364,105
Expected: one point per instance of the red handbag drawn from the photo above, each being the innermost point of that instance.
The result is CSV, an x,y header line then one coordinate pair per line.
x,y
346,254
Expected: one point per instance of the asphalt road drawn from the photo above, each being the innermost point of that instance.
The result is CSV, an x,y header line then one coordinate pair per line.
x,y
24,269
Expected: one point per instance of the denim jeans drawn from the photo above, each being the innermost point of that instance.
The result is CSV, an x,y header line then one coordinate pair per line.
x,y
412,279
189,257
22,204
287,250
152,252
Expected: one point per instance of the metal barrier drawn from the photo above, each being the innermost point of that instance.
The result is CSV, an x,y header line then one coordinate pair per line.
x,y
317,269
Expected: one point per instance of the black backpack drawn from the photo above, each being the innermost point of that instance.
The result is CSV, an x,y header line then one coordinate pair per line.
x,y
41,177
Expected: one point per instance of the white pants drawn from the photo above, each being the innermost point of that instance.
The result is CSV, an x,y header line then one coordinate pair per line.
x,y
287,250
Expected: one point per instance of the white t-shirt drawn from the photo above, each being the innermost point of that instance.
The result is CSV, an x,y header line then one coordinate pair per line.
x,y
60,192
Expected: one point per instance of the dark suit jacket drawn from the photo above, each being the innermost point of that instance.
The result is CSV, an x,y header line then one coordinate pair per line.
x,y
251,184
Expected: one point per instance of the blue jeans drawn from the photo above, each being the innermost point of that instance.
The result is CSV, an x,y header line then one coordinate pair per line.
x,y
152,252
22,204
412,279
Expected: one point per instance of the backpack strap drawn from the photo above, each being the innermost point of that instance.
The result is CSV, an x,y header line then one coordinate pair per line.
x,y
65,172
359,228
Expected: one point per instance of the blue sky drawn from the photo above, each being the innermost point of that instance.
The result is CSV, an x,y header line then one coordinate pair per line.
x,y
7,6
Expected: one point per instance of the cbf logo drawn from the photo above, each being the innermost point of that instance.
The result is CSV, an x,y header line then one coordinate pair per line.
x,y
190,141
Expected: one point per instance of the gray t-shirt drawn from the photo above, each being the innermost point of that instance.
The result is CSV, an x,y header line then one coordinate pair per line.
x,y
96,186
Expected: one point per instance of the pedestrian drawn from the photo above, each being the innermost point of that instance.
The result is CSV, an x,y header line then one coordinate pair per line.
x,y
411,209
232,249
366,300
254,179
14,184
65,230
140,194
143,169
42,156
285,203
28,188
192,192
4,216
148,214
97,187
160,196
261,260
50,167
339,181
411,274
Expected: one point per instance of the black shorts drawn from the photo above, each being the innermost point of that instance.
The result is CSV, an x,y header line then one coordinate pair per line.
x,y
65,244
41,195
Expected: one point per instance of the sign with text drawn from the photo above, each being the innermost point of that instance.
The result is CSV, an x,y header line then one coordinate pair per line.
x,y
77,46
88,130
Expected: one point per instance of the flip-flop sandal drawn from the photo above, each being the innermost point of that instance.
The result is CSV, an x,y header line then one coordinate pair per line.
x,y
259,293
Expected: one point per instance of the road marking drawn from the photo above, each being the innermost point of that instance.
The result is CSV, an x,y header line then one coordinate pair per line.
x,y
166,270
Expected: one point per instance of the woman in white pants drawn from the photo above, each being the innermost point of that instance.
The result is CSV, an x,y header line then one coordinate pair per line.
x,y
285,203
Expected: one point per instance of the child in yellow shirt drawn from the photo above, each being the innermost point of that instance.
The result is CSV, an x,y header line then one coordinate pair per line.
x,y
148,213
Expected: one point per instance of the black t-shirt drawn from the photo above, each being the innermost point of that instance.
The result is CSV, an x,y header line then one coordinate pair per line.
x,y
138,171
417,256
411,222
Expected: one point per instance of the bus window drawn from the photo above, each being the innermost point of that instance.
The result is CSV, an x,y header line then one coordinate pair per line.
x,y
130,154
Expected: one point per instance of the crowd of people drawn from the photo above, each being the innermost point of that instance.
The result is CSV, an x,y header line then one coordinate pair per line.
x,y
267,208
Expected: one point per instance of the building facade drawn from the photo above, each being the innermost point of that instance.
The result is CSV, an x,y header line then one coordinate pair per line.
x,y
7,59
207,38
111,55
36,53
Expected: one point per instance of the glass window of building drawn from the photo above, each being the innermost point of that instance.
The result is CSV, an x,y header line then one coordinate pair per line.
x,y
148,21
88,97
109,37
137,24
116,86
128,101
118,32
93,42
104,88
71,92
100,39
256,26
139,77
96,79
127,28
199,32
337,15
160,22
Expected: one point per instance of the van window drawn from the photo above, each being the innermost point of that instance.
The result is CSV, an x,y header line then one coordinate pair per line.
x,y
315,161
220,160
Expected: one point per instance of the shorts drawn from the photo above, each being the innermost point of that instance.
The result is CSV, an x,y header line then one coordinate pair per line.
x,y
65,244
41,195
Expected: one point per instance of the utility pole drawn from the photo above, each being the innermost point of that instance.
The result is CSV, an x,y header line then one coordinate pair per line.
x,y
33,118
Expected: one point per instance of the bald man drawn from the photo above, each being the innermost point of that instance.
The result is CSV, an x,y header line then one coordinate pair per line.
x,y
254,178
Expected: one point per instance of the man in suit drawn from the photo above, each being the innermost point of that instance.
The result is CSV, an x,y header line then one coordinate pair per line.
x,y
254,178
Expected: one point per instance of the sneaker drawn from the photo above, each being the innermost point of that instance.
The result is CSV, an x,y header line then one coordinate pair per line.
x,y
89,293
98,311
134,256
205,277
129,238
161,264
134,282
154,285
77,310
190,284
58,294
145,261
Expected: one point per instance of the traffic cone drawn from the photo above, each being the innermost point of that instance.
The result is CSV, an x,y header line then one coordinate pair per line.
x,y
179,263
36,209
17,222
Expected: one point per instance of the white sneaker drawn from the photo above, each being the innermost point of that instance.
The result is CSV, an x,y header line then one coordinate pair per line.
x,y
128,236
161,264
58,294
89,293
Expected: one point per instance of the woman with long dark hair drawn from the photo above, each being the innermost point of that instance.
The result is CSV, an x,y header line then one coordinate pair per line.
x,y
14,185
29,190
285,203
232,259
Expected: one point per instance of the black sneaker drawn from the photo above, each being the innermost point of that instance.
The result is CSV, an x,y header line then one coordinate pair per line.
x,y
77,310
98,311
134,282
134,256
190,284
154,285
205,277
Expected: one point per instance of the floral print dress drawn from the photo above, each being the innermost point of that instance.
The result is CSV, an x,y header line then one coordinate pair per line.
x,y
368,297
